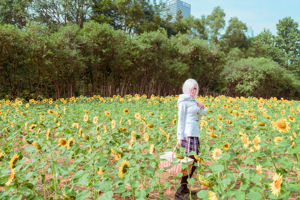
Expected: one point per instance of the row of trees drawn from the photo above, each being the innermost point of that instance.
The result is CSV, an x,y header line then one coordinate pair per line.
x,y
62,48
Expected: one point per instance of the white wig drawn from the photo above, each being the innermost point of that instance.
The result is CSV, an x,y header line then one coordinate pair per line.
x,y
188,85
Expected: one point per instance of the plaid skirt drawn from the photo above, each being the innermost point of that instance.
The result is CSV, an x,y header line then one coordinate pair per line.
x,y
191,144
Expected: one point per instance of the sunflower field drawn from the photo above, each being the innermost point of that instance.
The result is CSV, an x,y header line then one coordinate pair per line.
x,y
109,147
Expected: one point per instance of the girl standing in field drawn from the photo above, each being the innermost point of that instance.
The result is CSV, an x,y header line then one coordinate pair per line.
x,y
189,114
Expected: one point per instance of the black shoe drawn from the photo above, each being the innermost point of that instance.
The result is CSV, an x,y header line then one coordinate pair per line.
x,y
182,196
182,193
187,191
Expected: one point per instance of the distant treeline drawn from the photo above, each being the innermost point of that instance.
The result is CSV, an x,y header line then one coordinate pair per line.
x,y
106,47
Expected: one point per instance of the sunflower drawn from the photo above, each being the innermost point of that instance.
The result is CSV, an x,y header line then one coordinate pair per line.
x,y
113,124
210,128
150,126
258,169
62,141
42,117
245,140
174,121
226,146
255,142
123,129
85,118
146,136
276,184
32,127
95,120
123,168
292,119
1,154
11,177
278,139
13,161
99,138
100,171
212,196
125,110
129,122
216,153
151,149
151,113
203,123
107,113
137,116
281,125
86,137
75,125
212,135
161,116
220,117
117,155
36,145
228,121
97,127
70,142
50,112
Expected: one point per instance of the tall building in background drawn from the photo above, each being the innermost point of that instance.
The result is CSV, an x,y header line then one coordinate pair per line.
x,y
172,7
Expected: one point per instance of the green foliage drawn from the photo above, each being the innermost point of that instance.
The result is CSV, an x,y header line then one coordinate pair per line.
x,y
14,12
288,42
65,48
260,77
235,35
263,45
216,23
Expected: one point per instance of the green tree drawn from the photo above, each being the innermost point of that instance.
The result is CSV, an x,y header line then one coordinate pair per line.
x,y
235,35
263,45
13,54
288,41
205,62
200,27
104,50
14,12
216,23
60,12
66,60
260,77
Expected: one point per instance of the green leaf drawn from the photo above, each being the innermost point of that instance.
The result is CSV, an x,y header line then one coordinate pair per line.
x,y
203,194
83,195
254,195
240,195
216,168
84,181
106,196
103,186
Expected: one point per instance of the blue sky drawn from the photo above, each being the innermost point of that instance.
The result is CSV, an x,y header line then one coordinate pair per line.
x,y
257,14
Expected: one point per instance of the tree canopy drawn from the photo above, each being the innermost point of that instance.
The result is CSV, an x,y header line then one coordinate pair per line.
x,y
63,48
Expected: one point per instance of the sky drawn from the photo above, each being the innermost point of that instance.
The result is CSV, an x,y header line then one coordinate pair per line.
x,y
256,14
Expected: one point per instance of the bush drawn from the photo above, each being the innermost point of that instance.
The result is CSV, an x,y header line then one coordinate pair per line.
x,y
260,77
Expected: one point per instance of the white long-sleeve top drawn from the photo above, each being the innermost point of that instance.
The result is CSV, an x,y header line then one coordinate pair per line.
x,y
189,115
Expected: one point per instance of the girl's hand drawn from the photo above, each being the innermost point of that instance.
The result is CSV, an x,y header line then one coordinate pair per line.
x,y
200,105
178,142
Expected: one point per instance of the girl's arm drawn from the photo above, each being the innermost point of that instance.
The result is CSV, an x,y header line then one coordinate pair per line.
x,y
181,121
